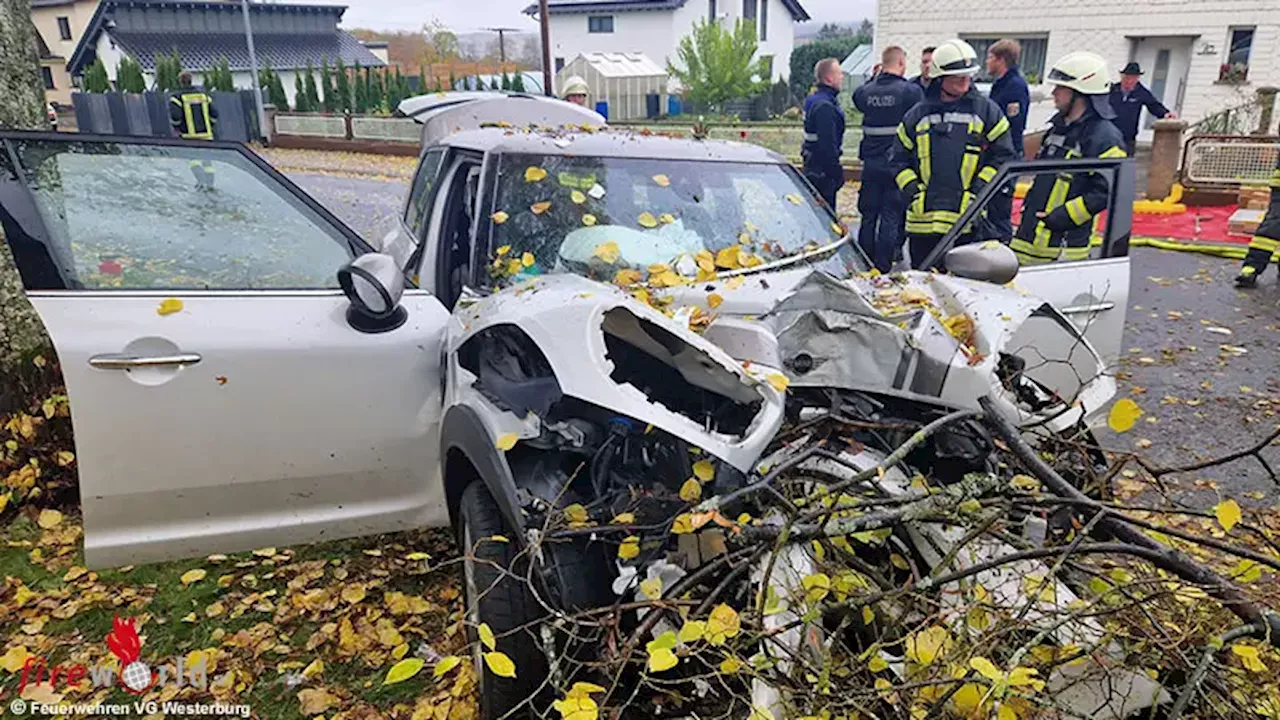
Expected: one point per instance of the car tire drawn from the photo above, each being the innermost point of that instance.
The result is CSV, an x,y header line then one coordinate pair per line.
x,y
502,600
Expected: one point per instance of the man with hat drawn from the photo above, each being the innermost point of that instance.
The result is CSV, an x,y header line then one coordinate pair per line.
x,y
1128,98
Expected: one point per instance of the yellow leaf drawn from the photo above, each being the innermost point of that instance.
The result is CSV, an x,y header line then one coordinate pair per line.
x,y
729,258
1124,415
704,470
486,636
692,631
662,180
1024,676
1006,712
534,174
722,624
189,617
986,669
499,664
74,572
630,548
403,670
588,219
577,197
625,518
215,609
926,646
15,658
1249,658
49,519
968,699
666,218
868,615
4,500
415,556
353,594
899,562
169,306
193,576
683,524
506,441
400,651
608,252
714,300
627,277
1228,514
778,381
652,588
794,199
877,664
691,491
647,220
504,249
730,665
575,513
64,458
706,261
1025,482
662,659
816,586
316,700
446,664
527,259
498,218
1247,571
315,668
837,229
540,207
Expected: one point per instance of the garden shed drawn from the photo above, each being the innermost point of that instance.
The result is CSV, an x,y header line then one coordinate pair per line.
x,y
857,67
624,86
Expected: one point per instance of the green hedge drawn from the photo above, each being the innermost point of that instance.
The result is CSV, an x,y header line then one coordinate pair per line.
x,y
805,57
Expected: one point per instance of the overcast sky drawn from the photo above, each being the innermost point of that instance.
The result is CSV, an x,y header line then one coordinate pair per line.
x,y
471,15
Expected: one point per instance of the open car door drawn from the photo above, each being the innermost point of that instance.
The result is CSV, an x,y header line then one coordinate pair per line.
x,y
220,400
1093,293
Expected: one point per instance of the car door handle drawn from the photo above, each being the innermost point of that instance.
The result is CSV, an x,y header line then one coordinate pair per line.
x,y
1082,309
116,361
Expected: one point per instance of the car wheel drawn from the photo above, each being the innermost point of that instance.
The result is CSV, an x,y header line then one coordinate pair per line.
x,y
500,599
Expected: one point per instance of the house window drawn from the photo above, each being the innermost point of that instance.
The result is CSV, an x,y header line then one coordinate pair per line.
x,y
559,64
47,74
711,10
764,20
749,10
64,28
1240,47
600,24
1034,50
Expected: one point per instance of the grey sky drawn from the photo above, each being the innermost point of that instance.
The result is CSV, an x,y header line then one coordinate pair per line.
x,y
472,15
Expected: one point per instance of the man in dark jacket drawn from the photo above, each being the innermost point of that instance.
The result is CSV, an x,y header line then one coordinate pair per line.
x,y
948,148
926,60
824,132
1266,240
1010,93
883,102
1058,212
1127,100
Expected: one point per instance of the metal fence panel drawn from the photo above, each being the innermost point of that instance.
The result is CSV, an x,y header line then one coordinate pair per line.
x,y
136,116
326,126
1230,161
393,129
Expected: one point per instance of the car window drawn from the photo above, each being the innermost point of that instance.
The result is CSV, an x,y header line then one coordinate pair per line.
x,y
598,216
140,217
418,210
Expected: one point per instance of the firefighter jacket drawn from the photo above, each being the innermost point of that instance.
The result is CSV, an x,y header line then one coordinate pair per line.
x,y
192,114
1069,200
945,153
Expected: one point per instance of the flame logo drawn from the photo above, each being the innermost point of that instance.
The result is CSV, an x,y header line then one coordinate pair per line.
x,y
123,641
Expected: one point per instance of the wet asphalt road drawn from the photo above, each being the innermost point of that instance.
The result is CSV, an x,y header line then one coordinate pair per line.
x,y
1204,393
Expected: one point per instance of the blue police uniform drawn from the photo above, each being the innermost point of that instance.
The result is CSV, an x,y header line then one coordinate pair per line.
x,y
823,138
1011,94
1128,107
883,102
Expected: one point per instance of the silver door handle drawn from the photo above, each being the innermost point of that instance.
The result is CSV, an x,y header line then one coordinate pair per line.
x,y
1081,309
115,361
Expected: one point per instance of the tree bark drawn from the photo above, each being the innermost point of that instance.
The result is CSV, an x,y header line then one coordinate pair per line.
x,y
21,107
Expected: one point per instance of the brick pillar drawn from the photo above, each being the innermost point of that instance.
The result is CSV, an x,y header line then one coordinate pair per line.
x,y
1267,103
1166,150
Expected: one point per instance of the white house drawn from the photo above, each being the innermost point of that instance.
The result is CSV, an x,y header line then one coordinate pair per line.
x,y
204,32
654,27
1199,56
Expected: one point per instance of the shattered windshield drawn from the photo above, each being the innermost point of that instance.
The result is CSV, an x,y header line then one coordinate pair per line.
x,y
664,222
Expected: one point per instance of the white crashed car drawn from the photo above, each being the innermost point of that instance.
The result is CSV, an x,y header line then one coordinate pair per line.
x,y
550,300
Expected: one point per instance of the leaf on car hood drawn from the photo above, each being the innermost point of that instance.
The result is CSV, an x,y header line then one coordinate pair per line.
x,y
647,220
534,174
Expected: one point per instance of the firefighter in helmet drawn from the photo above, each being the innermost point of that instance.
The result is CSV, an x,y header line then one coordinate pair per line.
x,y
575,90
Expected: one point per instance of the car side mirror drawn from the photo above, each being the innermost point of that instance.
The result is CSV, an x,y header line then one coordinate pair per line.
x,y
373,284
991,261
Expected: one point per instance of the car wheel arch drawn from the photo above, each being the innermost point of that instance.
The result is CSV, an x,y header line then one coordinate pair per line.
x,y
469,456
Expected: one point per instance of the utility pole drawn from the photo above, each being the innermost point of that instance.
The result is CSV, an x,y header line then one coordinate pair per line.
x,y
502,40
253,68
545,21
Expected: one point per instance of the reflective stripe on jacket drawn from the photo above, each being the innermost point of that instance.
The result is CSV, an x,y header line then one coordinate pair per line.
x,y
823,133
192,115
1069,200
945,154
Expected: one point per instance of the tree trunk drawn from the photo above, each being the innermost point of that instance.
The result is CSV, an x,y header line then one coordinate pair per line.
x,y
21,107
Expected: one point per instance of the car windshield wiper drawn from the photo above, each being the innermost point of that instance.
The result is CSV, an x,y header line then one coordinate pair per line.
x,y
827,249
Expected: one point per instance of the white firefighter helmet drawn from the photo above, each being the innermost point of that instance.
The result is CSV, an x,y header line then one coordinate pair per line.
x,y
954,57
574,85
1084,72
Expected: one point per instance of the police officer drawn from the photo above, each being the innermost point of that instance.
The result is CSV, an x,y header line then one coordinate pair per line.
x,y
947,149
883,102
1128,98
1059,208
1010,93
192,114
824,131
926,60
1266,240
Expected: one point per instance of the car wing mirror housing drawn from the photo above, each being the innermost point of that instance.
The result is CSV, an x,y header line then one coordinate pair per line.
x,y
989,261
373,284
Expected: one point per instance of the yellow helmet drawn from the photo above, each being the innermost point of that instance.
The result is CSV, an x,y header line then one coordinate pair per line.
x,y
574,85
1084,72
954,57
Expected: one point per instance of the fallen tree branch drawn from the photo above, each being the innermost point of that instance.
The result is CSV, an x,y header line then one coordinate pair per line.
x,y
1161,555
1206,661
1253,451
